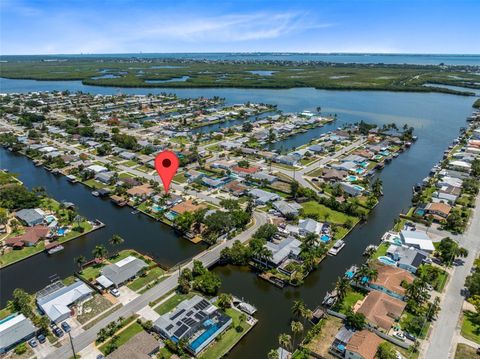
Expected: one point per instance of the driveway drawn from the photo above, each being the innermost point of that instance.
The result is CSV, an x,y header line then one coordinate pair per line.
x,y
126,295
148,313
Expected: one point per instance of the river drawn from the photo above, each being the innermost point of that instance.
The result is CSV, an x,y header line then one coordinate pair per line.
x,y
436,118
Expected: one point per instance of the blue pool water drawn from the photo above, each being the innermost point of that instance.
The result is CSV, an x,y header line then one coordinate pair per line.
x,y
420,212
349,274
360,188
352,178
203,337
359,170
49,219
325,238
387,260
61,231
157,208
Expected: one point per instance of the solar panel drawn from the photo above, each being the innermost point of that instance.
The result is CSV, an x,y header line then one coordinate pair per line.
x,y
190,312
177,314
169,327
189,321
180,331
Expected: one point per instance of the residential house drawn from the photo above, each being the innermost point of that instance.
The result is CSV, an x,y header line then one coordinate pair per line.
x,y
352,189
142,191
236,188
417,239
30,238
287,208
241,171
333,175
187,206
195,321
14,330
127,155
407,258
390,280
56,300
308,226
263,197
31,216
261,176
116,274
283,249
96,169
380,309
363,345
286,160
194,175
105,177
341,340
439,211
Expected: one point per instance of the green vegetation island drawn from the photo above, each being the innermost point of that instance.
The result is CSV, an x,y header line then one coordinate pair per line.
x,y
178,73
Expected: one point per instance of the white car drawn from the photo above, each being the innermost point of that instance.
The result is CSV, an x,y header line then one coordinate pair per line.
x,y
399,335
115,292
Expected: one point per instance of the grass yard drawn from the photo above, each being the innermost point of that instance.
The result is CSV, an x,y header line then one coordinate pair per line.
x,y
5,312
172,302
470,329
16,255
349,301
125,175
381,250
180,178
140,282
124,336
227,340
321,342
94,184
164,353
324,213
130,163
465,351
93,307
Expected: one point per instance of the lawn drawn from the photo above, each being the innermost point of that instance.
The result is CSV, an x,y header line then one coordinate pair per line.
x,y
470,329
152,275
465,351
91,272
404,324
164,353
349,301
227,340
94,184
325,213
172,302
16,255
180,178
124,335
129,163
125,175
381,250
5,312
93,307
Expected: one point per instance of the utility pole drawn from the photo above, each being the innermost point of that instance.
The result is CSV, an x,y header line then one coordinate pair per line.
x,y
71,344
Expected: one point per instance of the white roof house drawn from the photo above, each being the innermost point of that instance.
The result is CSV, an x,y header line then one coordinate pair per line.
x,y
56,304
417,239
13,330
121,271
97,169
310,226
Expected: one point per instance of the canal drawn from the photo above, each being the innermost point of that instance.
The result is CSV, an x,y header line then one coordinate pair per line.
x,y
437,119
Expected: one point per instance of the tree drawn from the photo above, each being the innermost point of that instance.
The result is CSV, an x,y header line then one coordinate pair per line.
x,y
297,328
225,300
99,251
294,186
342,287
184,221
433,309
386,351
266,231
80,260
298,308
208,283
21,302
285,342
116,240
377,187
198,268
473,283
272,354
448,250
355,320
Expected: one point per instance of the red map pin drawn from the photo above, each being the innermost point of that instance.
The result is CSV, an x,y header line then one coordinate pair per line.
x,y
166,164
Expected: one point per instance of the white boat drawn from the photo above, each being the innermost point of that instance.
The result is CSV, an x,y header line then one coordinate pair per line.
x,y
95,193
336,248
55,249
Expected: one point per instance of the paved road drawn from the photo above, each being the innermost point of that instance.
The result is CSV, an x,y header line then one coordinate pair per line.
x,y
300,173
208,258
440,343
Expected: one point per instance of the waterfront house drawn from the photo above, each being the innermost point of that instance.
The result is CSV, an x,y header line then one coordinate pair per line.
x,y
187,206
141,346
461,166
363,345
56,300
287,208
195,321
31,216
30,238
340,341
264,177
105,177
283,249
316,149
309,225
333,175
212,182
14,330
345,166
142,191
380,309
407,258
439,211
417,239
241,171
286,160
390,280
96,169
116,274
351,189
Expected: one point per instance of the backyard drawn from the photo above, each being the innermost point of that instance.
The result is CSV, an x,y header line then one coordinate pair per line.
x,y
470,327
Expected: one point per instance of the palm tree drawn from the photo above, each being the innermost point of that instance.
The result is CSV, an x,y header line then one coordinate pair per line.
x,y
116,240
297,328
285,342
225,300
80,260
99,251
272,354
298,308
342,287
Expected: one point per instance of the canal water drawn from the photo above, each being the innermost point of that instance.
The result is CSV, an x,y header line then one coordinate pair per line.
x,y
437,119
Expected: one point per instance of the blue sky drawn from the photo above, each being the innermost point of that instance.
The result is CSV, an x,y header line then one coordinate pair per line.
x,y
124,26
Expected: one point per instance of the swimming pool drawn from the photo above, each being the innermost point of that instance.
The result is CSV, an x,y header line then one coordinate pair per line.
x,y
50,218
325,238
360,188
420,212
157,208
387,260
61,231
203,337
352,178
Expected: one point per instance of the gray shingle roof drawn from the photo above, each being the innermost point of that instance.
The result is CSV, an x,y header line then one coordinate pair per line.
x,y
125,269
14,330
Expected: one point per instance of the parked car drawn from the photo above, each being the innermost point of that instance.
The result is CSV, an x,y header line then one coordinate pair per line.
x,y
41,338
33,343
100,356
399,335
58,332
410,336
66,327
115,292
